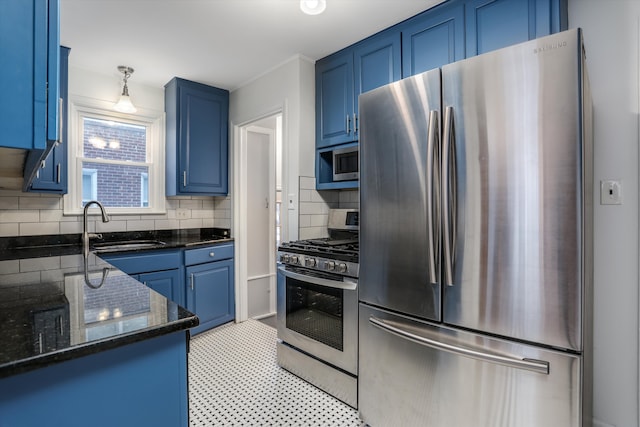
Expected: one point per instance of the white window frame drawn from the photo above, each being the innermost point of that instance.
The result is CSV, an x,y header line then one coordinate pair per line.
x,y
153,121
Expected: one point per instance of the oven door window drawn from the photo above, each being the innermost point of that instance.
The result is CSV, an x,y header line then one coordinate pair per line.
x,y
315,312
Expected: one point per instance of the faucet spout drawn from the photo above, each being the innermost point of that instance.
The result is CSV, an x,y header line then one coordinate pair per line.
x,y
85,233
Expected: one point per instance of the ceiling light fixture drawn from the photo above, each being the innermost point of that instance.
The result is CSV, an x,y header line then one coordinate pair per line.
x,y
313,7
124,104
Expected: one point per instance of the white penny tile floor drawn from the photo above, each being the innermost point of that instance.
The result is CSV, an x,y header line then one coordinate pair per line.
x,y
234,380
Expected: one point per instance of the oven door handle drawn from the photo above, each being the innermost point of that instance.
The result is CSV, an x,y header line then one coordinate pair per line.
x,y
346,283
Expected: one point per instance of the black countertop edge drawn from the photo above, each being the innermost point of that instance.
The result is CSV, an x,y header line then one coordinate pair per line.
x,y
22,247
48,359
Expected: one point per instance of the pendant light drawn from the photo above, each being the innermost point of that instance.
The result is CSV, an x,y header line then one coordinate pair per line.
x,y
124,104
313,7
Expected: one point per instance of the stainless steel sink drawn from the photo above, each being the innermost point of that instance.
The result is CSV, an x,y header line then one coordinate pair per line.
x,y
127,245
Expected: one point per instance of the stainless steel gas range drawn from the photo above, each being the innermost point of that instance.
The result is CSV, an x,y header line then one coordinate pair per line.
x,y
318,307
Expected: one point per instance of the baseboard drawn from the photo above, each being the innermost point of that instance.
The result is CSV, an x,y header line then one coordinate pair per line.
x,y
598,423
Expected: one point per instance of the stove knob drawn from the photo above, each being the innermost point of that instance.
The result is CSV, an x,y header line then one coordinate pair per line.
x,y
294,259
330,265
342,267
310,262
284,258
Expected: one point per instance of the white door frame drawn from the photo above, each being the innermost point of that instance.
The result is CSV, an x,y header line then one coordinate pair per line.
x,y
240,211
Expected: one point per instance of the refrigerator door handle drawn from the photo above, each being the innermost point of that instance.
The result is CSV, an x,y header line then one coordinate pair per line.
x,y
346,284
448,195
538,366
433,184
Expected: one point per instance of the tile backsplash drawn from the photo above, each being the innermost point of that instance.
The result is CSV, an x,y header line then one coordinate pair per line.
x,y
314,207
29,214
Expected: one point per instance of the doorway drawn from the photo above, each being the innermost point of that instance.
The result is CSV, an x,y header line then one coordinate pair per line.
x,y
258,175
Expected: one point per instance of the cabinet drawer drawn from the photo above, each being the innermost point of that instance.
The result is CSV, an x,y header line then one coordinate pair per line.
x,y
142,263
208,254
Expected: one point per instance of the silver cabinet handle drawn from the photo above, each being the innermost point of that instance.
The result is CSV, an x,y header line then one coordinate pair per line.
x,y
58,173
61,325
448,194
212,254
184,178
433,195
346,283
355,123
538,366
191,280
348,124
60,120
40,346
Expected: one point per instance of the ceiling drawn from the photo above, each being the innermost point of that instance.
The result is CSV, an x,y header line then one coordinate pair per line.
x,y
224,43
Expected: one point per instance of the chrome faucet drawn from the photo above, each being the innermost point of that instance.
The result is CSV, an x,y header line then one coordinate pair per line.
x,y
86,235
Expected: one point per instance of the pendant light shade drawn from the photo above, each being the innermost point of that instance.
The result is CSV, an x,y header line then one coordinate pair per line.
x,y
313,7
124,104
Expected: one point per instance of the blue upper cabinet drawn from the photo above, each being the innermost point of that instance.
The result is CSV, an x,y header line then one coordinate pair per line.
x,y
52,175
334,99
376,63
29,81
493,24
340,78
434,39
197,138
449,32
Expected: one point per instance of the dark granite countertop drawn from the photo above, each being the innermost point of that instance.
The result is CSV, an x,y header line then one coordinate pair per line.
x,y
71,244
55,305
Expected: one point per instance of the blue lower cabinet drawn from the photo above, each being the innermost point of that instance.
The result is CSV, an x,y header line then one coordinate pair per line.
x,y
161,270
141,384
199,279
167,283
210,293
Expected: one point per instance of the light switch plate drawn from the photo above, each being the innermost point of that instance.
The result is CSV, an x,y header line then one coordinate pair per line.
x,y
611,192
291,201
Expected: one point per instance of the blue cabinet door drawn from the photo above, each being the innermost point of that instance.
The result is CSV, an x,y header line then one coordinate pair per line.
x,y
376,62
433,39
210,293
167,283
493,24
52,176
334,100
29,81
197,138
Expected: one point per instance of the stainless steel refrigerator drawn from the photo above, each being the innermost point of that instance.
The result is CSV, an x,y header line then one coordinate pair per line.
x,y
476,242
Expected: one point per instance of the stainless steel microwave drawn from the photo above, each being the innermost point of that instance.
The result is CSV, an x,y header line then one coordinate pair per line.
x,y
345,164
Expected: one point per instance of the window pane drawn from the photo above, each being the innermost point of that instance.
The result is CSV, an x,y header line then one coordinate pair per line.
x,y
89,185
120,185
144,189
105,139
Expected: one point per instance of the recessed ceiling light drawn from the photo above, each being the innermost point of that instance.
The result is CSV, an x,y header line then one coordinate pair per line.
x,y
313,7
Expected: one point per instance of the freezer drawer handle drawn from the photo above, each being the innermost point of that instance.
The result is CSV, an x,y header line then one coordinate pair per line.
x,y
347,283
538,366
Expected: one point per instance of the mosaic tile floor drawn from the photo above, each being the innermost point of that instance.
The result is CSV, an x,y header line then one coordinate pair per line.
x,y
234,380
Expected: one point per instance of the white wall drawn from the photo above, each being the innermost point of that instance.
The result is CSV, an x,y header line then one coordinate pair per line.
x,y
611,33
288,88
